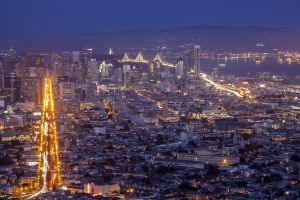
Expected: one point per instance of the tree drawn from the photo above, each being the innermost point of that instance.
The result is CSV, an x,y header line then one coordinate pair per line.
x,y
145,168
192,143
5,160
160,139
107,178
212,170
295,158
185,186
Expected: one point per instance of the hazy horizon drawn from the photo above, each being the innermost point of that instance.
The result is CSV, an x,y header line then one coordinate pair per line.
x,y
35,18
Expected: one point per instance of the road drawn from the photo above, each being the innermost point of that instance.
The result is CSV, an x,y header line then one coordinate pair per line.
x,y
218,86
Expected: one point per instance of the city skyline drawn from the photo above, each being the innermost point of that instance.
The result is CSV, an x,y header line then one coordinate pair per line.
x,y
136,100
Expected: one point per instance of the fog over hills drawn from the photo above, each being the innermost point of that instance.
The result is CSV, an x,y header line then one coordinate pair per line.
x,y
211,38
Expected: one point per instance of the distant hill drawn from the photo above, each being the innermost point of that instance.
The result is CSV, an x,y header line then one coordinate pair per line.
x,y
211,38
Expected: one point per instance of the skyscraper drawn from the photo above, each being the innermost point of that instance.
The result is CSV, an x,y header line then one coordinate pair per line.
x,y
87,56
196,60
105,69
93,71
118,75
179,67
67,57
126,72
9,59
1,76
12,87
31,89
75,56
57,67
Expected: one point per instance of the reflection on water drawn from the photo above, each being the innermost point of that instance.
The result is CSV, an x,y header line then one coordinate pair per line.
x,y
246,68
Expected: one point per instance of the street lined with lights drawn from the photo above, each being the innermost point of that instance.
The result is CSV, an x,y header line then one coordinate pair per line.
x,y
218,86
48,168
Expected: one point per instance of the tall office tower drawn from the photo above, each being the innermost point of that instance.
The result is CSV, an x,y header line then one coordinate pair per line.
x,y
9,59
118,75
126,73
135,75
67,60
39,59
56,67
86,57
67,69
188,62
1,76
31,69
67,57
33,59
25,63
76,73
105,69
197,60
179,67
93,71
17,70
12,87
75,56
31,89
126,69
73,67
90,92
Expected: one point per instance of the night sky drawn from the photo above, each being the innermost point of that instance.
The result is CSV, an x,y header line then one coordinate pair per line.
x,y
56,17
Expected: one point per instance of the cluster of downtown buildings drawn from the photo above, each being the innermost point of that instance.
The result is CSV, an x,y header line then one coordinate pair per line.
x,y
137,129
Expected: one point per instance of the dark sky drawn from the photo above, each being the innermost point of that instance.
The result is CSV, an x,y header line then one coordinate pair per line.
x,y
52,17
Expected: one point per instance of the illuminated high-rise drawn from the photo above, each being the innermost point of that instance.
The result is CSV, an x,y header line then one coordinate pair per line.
x,y
12,87
126,73
87,56
197,60
105,69
179,67
93,71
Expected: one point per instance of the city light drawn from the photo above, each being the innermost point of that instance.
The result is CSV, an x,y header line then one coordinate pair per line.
x,y
48,167
218,86
133,101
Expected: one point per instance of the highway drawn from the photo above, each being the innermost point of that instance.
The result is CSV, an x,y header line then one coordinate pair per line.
x,y
218,86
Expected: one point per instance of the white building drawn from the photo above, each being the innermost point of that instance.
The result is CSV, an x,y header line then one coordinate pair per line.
x,y
105,69
179,68
105,189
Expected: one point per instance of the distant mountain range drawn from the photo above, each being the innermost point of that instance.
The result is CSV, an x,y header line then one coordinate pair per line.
x,y
211,38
